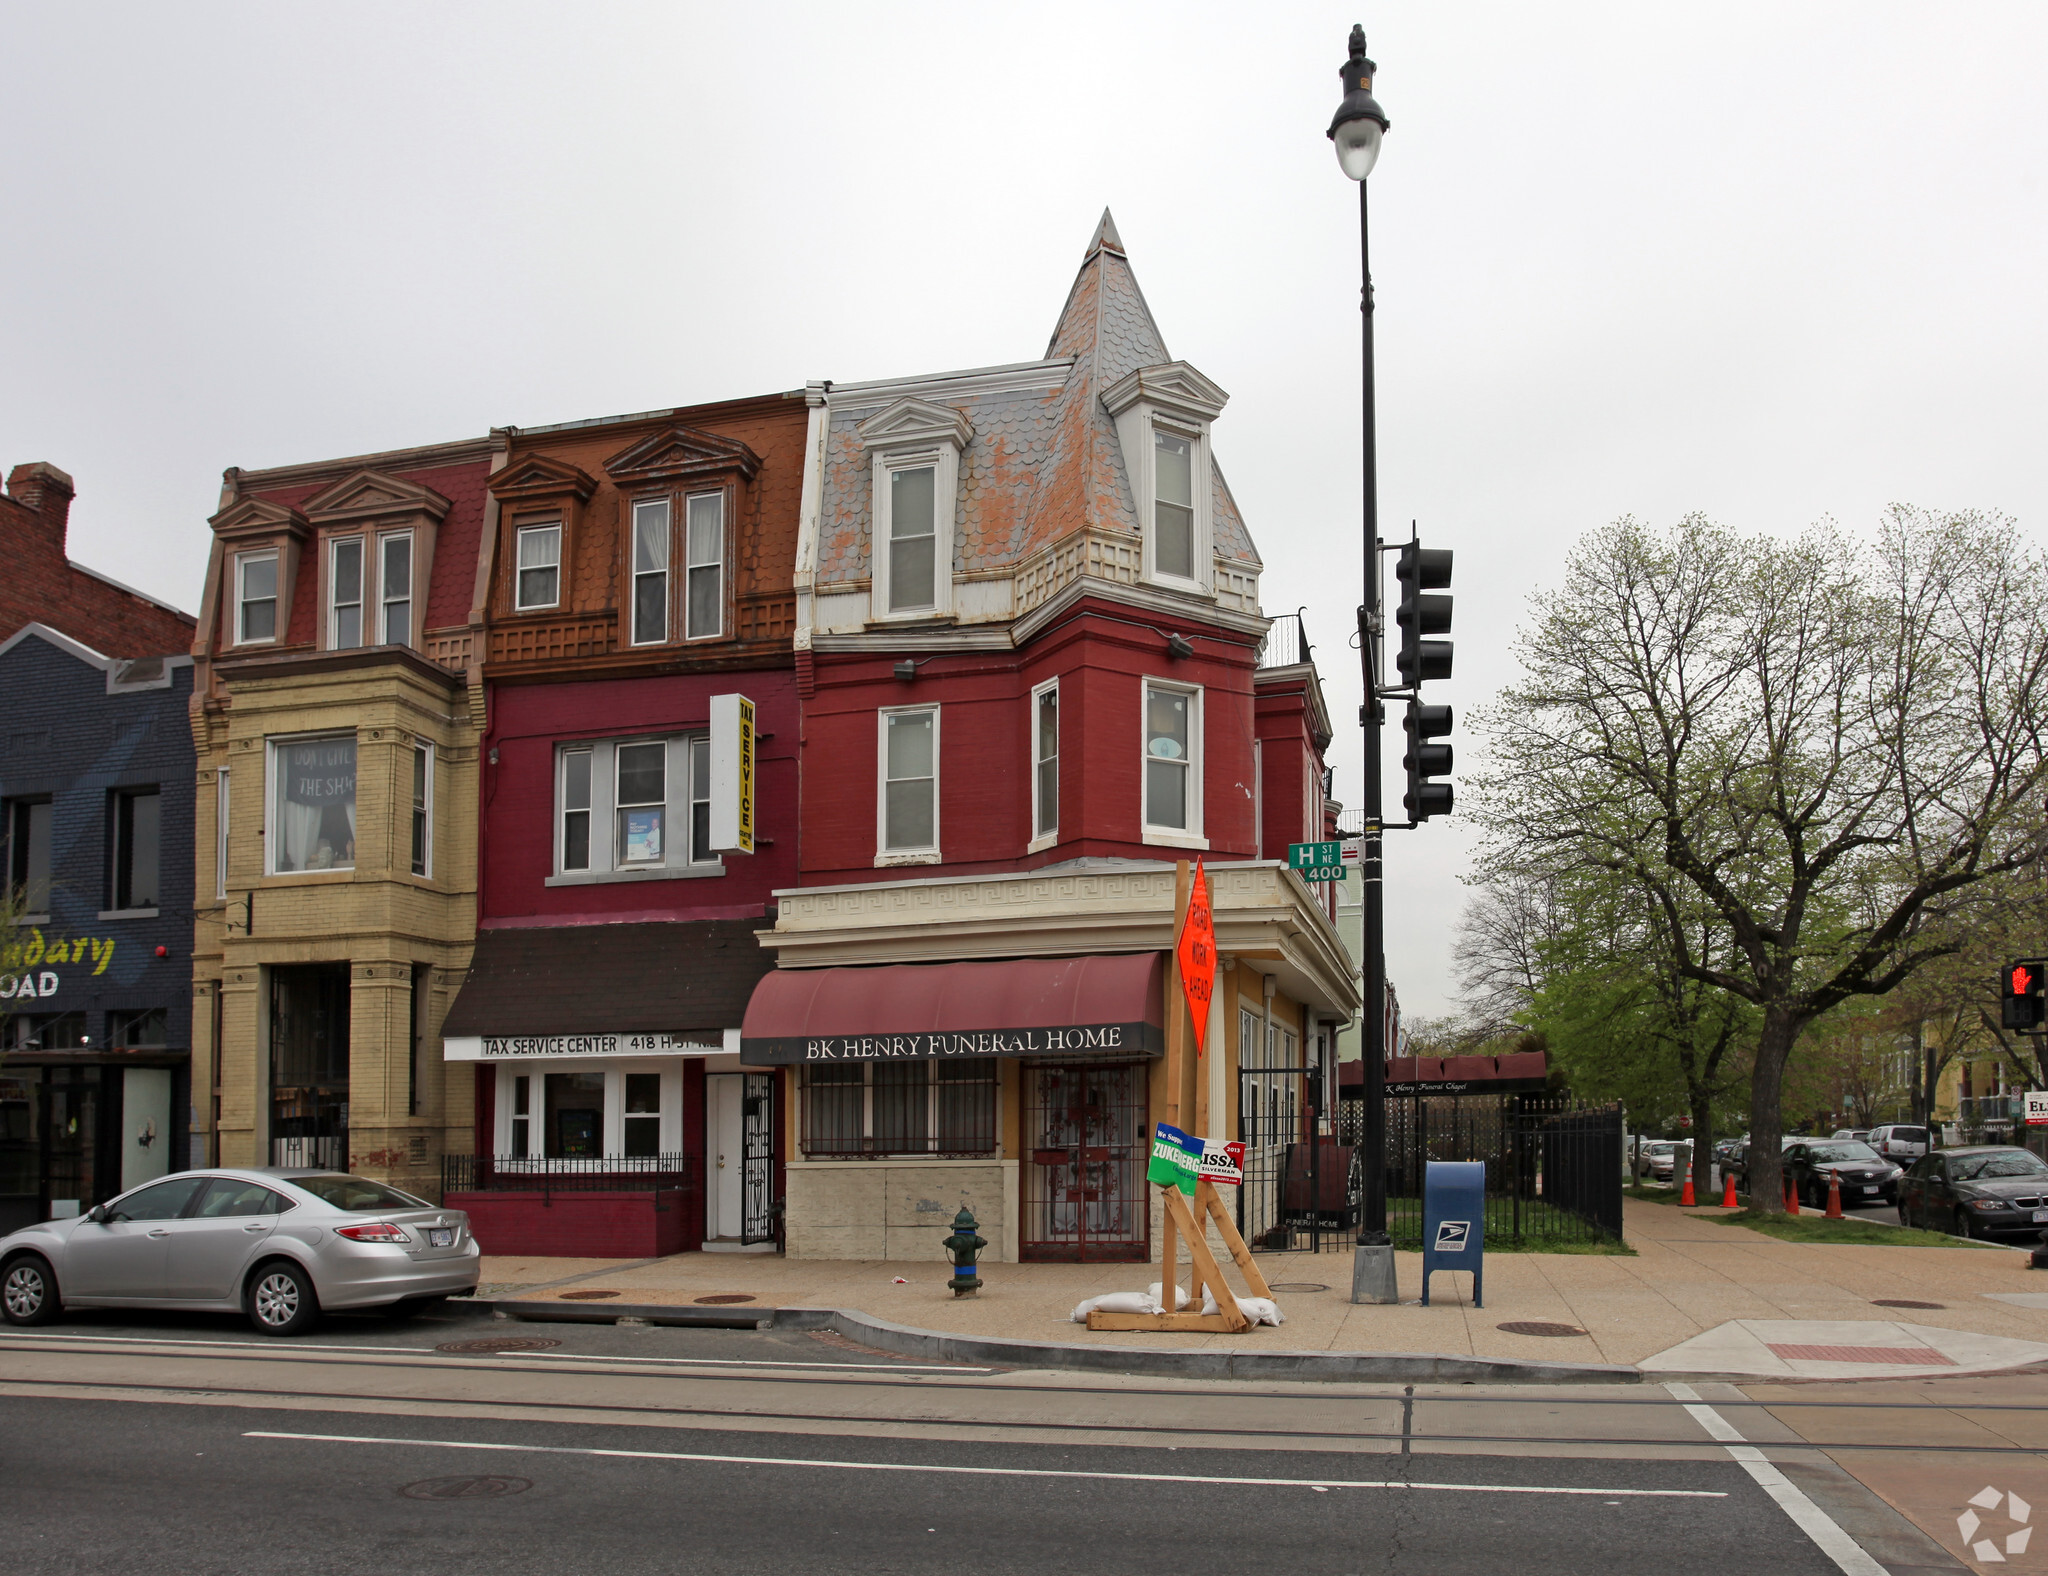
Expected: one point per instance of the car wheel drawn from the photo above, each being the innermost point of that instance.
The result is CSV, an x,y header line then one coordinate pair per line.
x,y
413,1307
28,1291
280,1300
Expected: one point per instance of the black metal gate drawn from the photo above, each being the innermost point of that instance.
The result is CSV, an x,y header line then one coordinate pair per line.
x,y
757,1156
1087,1142
1302,1183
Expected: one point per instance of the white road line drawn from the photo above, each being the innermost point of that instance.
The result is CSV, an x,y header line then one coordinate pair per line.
x,y
1816,1523
180,1340
1026,1472
749,1362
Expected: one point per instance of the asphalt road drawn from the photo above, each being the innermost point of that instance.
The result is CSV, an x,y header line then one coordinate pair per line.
x,y
117,1487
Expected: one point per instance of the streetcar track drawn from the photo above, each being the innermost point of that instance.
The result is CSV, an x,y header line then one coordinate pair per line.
x,y
1181,1430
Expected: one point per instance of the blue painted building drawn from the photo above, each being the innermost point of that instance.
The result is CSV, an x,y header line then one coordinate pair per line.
x,y
97,772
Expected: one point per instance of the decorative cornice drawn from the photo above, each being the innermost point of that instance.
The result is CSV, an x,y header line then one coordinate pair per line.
x,y
370,494
1172,386
677,453
534,477
260,517
978,383
431,457
910,421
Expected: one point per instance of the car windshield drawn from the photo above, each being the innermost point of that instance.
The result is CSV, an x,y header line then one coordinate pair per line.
x,y
358,1195
1841,1154
1998,1163
1657,1149
1908,1135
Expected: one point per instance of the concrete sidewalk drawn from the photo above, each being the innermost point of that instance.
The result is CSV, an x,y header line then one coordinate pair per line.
x,y
1691,1275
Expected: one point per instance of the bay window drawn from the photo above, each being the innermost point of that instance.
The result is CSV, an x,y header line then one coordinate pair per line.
x,y
312,804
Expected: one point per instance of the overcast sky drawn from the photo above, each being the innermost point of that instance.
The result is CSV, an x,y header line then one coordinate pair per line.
x,y
1768,261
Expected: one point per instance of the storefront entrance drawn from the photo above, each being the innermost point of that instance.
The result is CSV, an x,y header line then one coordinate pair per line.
x,y
739,1113
1086,1143
309,1065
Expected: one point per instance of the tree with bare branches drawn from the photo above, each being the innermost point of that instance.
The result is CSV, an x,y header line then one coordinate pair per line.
x,y
1826,745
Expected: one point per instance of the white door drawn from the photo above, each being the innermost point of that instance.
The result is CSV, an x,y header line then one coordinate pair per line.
x,y
724,1161
145,1125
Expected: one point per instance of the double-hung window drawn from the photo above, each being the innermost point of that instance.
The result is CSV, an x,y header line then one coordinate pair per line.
x,y
422,807
1172,764
913,538
1045,762
255,598
138,826
908,814
29,825
345,593
369,597
704,565
1173,504
650,571
630,808
394,581
539,568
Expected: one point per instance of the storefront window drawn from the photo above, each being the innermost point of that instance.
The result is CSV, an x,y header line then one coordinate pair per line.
x,y
575,1116
141,1030
643,1115
313,811
936,1107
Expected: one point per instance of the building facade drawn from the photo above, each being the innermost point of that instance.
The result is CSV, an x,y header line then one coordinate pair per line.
x,y
636,589
42,585
335,856
1028,644
96,775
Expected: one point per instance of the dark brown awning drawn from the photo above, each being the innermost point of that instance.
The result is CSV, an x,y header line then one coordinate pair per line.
x,y
656,978
1063,1007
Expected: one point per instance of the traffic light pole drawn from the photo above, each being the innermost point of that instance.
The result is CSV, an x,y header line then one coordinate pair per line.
x,y
1372,1269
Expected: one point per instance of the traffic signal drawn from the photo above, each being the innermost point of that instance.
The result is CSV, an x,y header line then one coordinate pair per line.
x,y
1421,569
1424,761
2021,987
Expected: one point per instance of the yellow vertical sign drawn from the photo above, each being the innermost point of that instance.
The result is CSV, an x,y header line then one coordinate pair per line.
x,y
732,774
745,840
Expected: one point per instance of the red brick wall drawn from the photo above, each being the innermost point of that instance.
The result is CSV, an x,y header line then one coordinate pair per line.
x,y
584,1225
41,586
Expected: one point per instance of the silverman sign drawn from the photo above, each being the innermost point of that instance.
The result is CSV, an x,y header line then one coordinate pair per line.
x,y
1092,1039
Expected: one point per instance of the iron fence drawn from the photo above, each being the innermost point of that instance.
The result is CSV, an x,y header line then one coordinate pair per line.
x,y
554,1174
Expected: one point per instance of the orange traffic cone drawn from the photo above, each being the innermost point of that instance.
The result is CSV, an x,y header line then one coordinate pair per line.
x,y
1834,1195
1685,1199
1791,1198
1728,1194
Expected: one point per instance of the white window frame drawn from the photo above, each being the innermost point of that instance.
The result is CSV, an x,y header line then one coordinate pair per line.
x,y
944,462
275,599
1043,837
612,1131
1173,836
271,839
666,571
364,576
1197,439
692,565
420,806
519,535
884,854
384,598
677,840
221,803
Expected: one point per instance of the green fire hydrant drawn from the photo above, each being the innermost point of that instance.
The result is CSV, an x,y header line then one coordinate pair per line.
x,y
964,1244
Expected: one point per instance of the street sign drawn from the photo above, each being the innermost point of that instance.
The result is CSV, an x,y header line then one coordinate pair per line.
x,y
1317,861
2037,1107
732,774
1197,952
1176,1158
1223,1163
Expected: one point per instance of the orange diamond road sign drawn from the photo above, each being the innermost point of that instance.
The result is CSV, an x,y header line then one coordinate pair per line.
x,y
1197,953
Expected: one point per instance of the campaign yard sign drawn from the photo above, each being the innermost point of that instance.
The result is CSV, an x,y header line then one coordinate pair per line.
x,y
2037,1107
1176,1159
1222,1163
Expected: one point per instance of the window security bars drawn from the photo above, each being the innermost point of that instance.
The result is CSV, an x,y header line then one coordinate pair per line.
x,y
865,1110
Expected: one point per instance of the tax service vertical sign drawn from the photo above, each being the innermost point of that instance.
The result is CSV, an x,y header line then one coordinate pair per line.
x,y
732,774
1197,954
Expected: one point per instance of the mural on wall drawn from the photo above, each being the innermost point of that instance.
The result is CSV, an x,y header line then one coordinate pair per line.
x,y
33,967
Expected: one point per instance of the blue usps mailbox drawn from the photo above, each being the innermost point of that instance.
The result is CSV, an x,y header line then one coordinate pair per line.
x,y
1454,1222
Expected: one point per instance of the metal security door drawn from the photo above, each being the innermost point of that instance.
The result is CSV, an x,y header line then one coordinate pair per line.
x,y
1086,1139
757,1151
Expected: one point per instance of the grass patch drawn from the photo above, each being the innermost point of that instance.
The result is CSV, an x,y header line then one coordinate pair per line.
x,y
1608,1246
1652,1195
1818,1228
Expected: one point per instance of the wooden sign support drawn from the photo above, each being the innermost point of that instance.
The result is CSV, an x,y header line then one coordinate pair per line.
x,y
1183,1071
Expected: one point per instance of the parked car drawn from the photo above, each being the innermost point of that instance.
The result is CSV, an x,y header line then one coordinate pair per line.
x,y
1900,1143
1988,1190
1740,1164
280,1244
1867,1177
1860,1134
1657,1159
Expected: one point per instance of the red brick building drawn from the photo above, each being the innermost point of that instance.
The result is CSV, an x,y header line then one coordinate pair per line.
x,y
42,585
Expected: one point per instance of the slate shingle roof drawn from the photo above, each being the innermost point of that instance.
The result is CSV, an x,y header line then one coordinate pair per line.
x,y
1044,461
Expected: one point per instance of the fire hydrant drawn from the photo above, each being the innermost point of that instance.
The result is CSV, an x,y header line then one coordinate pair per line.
x,y
964,1244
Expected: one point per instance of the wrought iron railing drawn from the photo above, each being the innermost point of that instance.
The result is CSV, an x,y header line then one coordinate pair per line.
x,y
330,1154
556,1174
1286,643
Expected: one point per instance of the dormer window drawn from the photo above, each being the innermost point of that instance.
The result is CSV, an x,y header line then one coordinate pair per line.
x,y
1162,418
916,447
345,594
255,598
540,566
369,591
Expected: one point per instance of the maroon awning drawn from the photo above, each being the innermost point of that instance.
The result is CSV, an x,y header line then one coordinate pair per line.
x,y
1519,1073
1106,1007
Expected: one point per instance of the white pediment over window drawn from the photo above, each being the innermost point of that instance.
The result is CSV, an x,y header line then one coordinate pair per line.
x,y
910,422
374,493
1171,386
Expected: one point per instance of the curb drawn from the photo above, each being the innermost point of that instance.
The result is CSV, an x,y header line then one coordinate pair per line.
x,y
905,1340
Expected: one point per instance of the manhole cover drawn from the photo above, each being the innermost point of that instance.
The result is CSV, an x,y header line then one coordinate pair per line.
x,y
1903,1302
1300,1286
1539,1327
467,1487
586,1296
727,1296
499,1343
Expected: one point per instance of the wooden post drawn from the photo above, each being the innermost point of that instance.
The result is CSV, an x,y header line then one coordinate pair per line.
x,y
1176,1054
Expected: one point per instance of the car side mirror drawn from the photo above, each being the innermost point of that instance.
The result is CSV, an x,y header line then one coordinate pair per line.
x,y
97,1214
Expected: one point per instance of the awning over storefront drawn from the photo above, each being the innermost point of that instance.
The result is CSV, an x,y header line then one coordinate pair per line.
x,y
634,989
1097,1007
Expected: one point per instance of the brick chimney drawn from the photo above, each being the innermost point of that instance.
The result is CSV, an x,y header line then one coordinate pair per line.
x,y
45,493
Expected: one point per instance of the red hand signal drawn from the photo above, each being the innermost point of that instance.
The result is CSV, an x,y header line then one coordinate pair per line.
x,y
2022,979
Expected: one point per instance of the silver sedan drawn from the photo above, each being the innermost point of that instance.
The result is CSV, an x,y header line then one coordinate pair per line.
x,y
278,1244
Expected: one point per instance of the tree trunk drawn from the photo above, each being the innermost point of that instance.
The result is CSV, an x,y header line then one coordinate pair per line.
x,y
1766,1121
1702,1147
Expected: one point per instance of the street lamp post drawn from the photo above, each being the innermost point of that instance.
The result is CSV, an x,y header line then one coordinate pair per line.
x,y
1356,130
